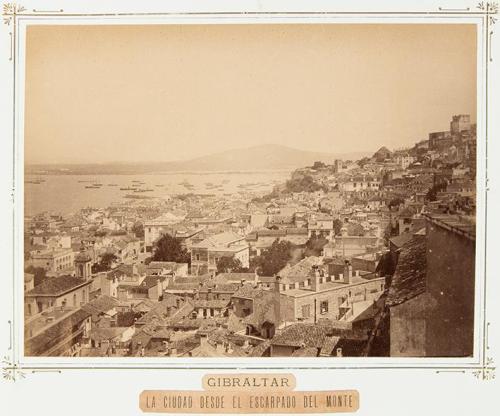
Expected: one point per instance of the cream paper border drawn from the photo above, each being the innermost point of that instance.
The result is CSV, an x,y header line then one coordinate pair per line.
x,y
17,17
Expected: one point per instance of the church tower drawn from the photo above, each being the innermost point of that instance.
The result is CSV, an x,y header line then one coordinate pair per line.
x,y
83,264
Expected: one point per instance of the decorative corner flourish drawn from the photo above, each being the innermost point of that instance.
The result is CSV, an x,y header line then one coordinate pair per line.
x,y
487,371
10,370
489,9
10,10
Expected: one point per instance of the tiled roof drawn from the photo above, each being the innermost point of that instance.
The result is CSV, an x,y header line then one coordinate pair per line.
x,y
182,286
162,333
306,352
410,275
102,304
170,301
455,223
169,265
215,303
355,240
263,310
259,350
222,239
400,240
56,286
329,345
160,313
48,338
191,279
105,334
302,268
145,305
303,335
247,291
220,287
151,281
235,277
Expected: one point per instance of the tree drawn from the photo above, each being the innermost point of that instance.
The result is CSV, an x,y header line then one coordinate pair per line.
x,y
272,260
318,165
40,274
118,232
168,248
304,183
432,193
230,264
138,230
127,318
107,259
314,246
362,162
337,226
395,202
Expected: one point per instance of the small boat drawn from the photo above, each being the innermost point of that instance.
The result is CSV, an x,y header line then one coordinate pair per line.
x,y
128,188
131,196
112,184
92,187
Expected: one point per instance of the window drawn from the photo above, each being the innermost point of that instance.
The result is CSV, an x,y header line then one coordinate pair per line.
x,y
323,307
306,311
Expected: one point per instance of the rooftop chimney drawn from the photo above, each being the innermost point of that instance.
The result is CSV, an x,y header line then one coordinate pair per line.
x,y
277,311
256,279
347,272
277,280
203,340
315,279
220,348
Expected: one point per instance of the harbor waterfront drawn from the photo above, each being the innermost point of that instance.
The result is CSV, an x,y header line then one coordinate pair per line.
x,y
209,196
328,260
43,192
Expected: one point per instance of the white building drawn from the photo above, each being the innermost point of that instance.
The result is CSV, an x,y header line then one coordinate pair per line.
x,y
404,160
154,229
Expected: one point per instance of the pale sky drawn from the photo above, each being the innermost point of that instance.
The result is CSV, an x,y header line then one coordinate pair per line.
x,y
170,92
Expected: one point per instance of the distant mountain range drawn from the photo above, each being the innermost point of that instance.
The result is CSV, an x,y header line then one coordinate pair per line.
x,y
256,158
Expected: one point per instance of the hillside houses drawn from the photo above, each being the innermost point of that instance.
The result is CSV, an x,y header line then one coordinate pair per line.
x,y
373,257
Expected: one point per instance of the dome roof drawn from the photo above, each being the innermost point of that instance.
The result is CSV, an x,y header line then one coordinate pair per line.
x,y
83,257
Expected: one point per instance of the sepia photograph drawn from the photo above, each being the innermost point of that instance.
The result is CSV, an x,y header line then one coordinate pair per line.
x,y
250,190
